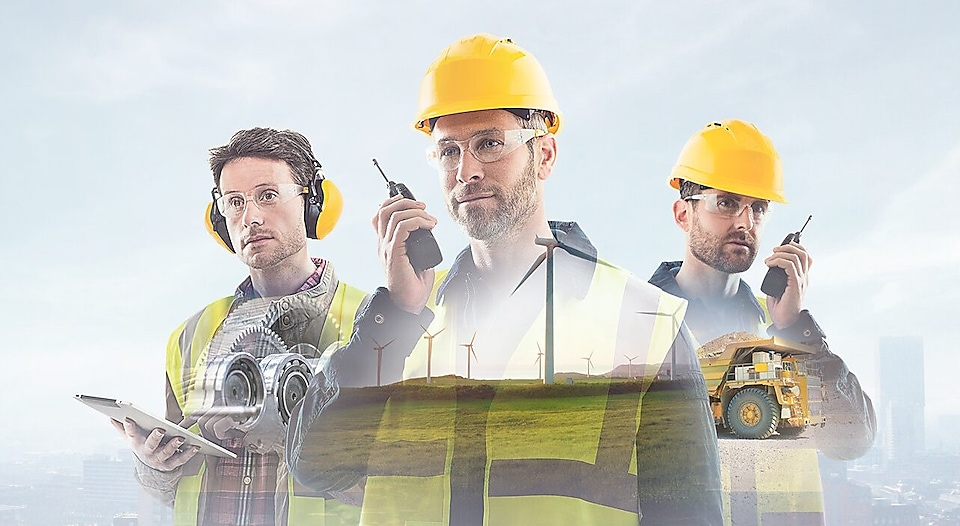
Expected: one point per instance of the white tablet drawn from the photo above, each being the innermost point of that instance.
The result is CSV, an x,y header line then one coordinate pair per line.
x,y
119,411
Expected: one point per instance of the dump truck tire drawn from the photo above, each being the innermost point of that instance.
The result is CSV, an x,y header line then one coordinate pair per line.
x,y
752,413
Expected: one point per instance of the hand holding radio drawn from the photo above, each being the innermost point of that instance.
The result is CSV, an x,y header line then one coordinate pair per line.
x,y
789,264
408,251
422,248
775,282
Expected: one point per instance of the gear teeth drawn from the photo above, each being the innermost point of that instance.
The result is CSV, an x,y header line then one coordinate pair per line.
x,y
259,341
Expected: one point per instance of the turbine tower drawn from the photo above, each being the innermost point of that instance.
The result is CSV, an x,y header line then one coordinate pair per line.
x,y
539,362
379,348
429,337
470,351
589,360
550,243
676,334
630,364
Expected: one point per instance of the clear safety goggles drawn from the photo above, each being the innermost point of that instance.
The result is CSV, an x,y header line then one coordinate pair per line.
x,y
732,206
487,147
233,204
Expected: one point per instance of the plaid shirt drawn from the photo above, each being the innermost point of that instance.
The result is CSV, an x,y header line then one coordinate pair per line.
x,y
245,490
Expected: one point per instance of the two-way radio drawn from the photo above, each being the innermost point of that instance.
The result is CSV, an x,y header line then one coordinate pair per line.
x,y
775,282
422,248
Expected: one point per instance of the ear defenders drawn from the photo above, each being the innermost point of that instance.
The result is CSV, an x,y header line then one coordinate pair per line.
x,y
322,208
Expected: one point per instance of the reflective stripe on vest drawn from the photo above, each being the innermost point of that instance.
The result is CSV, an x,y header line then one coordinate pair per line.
x,y
484,456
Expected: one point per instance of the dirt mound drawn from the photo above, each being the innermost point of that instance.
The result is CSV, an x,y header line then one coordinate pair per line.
x,y
715,347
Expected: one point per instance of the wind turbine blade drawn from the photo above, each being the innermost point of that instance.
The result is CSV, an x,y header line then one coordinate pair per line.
x,y
474,337
653,313
583,255
536,264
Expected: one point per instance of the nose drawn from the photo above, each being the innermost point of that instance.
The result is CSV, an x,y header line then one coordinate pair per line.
x,y
470,169
252,214
745,221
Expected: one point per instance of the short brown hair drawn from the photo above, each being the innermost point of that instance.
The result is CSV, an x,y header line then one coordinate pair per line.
x,y
266,143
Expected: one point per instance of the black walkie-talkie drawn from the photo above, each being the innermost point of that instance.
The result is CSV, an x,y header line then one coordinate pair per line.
x,y
775,282
422,248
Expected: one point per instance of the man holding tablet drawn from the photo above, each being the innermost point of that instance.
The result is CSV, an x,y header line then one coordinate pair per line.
x,y
269,197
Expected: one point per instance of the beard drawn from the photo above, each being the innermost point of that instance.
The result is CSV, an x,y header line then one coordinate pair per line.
x,y
712,249
514,205
267,257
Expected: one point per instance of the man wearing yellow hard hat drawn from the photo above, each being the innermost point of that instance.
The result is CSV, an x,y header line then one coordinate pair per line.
x,y
566,392
728,174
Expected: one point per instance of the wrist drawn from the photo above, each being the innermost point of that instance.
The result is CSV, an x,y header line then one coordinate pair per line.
x,y
804,329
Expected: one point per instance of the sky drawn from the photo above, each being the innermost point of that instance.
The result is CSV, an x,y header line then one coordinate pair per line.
x,y
110,108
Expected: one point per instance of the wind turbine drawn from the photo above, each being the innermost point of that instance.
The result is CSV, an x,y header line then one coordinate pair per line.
x,y
469,347
539,362
550,243
379,348
589,360
429,337
630,364
676,331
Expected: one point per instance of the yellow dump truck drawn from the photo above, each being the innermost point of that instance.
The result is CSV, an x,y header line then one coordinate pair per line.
x,y
758,386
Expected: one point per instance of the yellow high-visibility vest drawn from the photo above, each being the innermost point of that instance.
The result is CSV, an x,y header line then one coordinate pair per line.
x,y
770,485
539,460
185,348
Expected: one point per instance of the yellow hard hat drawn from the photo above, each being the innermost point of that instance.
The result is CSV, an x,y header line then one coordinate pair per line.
x,y
733,156
484,72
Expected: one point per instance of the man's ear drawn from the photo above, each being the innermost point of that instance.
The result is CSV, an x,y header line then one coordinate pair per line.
x,y
682,215
546,147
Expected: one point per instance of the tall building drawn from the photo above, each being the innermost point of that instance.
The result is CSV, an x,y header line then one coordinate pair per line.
x,y
900,416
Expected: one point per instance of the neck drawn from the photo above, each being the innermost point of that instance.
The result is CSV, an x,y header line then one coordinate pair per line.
x,y
699,280
504,260
284,278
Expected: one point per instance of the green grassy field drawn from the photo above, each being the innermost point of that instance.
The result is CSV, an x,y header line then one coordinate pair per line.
x,y
407,429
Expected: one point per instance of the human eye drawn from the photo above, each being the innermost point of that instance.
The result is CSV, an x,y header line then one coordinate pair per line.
x,y
234,201
448,150
488,143
760,208
268,196
727,205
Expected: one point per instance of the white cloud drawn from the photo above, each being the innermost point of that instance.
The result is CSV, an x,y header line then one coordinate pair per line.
x,y
915,232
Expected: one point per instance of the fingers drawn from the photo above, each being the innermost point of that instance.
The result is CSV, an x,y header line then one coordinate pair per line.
x,y
173,455
795,261
150,448
397,217
222,422
222,426
802,257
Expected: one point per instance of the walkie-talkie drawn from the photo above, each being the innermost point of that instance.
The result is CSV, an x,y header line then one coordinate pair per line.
x,y
422,248
775,282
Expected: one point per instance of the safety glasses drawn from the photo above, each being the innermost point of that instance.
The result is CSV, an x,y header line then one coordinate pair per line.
x,y
487,147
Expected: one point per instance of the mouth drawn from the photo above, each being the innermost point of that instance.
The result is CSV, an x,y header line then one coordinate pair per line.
x,y
740,244
476,196
253,240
